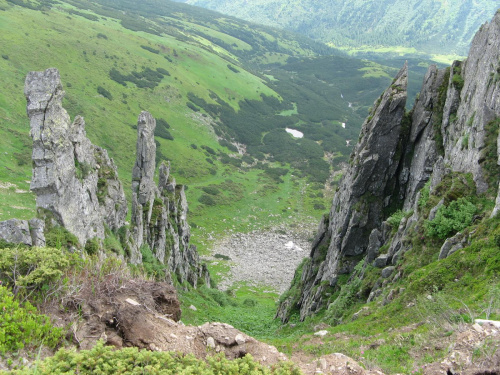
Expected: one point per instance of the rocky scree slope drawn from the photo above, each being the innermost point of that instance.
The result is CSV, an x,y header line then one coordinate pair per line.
x,y
452,130
77,188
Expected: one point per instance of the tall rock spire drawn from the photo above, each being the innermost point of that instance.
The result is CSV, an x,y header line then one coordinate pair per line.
x,y
74,180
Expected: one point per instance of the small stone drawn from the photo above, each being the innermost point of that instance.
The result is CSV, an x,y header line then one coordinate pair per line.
x,y
429,297
192,307
132,302
321,333
240,340
477,328
211,343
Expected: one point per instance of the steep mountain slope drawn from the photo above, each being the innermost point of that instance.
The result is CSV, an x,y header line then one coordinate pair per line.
x,y
439,165
443,27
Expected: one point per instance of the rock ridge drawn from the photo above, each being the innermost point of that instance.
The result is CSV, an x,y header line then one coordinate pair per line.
x,y
452,128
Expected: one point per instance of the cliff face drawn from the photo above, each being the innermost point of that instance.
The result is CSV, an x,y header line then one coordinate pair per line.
x,y
77,187
453,127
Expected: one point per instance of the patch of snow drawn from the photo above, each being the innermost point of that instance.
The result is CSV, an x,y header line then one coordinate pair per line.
x,y
343,125
295,133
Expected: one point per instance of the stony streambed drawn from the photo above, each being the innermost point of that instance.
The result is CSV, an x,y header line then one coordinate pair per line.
x,y
262,257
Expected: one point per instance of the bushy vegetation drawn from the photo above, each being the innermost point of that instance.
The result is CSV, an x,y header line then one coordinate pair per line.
x,y
22,327
451,218
105,360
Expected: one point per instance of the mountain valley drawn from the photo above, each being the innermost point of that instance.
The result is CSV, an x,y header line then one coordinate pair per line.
x,y
245,137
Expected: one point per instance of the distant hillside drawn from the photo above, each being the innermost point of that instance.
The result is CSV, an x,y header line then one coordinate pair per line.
x,y
432,26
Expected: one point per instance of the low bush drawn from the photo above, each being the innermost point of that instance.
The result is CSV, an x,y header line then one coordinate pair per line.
x,y
22,327
105,360
451,219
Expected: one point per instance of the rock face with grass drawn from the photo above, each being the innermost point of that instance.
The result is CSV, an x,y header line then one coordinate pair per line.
x,y
448,143
159,213
74,180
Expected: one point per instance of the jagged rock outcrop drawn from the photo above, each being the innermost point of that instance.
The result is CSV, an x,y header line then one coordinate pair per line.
x,y
74,180
159,213
77,187
358,205
452,128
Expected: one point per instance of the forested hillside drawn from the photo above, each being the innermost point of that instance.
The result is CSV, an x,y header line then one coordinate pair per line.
x,y
434,27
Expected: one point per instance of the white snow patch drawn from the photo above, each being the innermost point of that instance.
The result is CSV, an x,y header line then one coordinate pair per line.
x,y
295,133
343,125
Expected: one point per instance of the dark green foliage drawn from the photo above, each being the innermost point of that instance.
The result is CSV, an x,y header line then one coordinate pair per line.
x,y
222,256
5,57
88,16
228,145
58,237
147,78
207,200
102,36
451,218
151,49
163,71
102,91
457,79
489,154
226,159
161,129
275,173
319,206
192,107
232,68
212,190
208,149
92,246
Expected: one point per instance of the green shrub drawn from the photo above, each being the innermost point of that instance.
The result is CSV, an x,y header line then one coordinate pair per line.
x,y
92,246
21,326
102,91
60,237
32,267
395,219
105,360
152,266
212,190
451,219
207,200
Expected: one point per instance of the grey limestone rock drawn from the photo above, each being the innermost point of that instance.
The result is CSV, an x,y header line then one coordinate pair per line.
x,y
74,180
15,231
451,245
388,271
159,213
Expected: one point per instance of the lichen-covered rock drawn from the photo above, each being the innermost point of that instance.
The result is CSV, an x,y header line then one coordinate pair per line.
x,y
73,179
